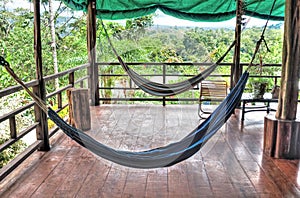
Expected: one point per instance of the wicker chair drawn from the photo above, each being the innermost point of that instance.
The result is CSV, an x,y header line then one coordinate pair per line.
x,y
211,93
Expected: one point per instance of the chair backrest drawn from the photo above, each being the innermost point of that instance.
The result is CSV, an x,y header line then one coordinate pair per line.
x,y
213,90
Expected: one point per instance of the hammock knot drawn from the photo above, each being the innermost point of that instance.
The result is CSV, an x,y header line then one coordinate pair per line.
x,y
265,42
3,62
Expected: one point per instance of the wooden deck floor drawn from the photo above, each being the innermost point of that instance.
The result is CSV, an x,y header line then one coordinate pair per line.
x,y
230,165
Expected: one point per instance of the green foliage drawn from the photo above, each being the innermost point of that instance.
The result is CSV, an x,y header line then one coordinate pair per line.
x,y
16,45
23,120
9,153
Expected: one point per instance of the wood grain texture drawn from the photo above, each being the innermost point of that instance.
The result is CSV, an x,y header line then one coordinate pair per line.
x,y
288,95
79,108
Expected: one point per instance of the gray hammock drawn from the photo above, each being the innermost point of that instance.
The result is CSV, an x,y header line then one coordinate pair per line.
x,y
159,89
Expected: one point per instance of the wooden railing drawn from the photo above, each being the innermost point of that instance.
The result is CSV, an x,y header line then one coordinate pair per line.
x,y
163,78
16,135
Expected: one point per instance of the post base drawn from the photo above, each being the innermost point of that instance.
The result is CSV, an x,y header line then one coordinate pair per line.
x,y
281,138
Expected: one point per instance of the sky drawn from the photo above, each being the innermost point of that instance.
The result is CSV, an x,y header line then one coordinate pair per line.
x,y
162,19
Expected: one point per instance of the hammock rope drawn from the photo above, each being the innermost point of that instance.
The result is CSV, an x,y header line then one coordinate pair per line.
x,y
262,38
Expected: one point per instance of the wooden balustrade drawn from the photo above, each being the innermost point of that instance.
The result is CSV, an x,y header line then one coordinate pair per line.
x,y
16,135
164,75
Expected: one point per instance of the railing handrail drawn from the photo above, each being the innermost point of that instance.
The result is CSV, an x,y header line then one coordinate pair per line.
x,y
184,64
63,73
163,74
16,88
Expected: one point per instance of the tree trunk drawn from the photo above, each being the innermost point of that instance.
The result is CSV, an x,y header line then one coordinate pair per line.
x,y
53,42
237,69
288,97
91,45
282,134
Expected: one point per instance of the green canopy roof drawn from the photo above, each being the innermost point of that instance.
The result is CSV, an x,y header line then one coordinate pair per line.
x,y
194,10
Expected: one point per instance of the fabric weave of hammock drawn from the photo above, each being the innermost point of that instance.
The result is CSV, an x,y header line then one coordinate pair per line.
x,y
169,154
193,10
158,89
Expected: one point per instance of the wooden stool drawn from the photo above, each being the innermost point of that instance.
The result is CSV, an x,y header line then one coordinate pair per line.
x,y
79,108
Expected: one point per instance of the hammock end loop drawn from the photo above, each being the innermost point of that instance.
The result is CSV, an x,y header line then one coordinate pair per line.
x,y
3,62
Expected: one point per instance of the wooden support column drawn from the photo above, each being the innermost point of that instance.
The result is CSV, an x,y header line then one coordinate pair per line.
x,y
285,137
236,69
91,46
40,90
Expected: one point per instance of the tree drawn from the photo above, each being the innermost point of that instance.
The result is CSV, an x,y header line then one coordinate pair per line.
x,y
53,41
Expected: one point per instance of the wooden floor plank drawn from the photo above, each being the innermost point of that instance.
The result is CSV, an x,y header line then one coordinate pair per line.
x,y
57,177
27,185
157,183
135,185
178,181
115,182
73,181
275,174
290,169
92,185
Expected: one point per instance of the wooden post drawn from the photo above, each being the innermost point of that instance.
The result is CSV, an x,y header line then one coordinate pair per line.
x,y
91,46
13,127
40,91
288,97
270,134
72,79
236,68
285,136
59,100
79,109
164,81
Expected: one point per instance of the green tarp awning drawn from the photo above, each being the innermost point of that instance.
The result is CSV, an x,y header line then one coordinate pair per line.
x,y
195,10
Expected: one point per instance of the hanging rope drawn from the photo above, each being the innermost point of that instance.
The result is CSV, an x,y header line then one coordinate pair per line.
x,y
38,101
262,38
